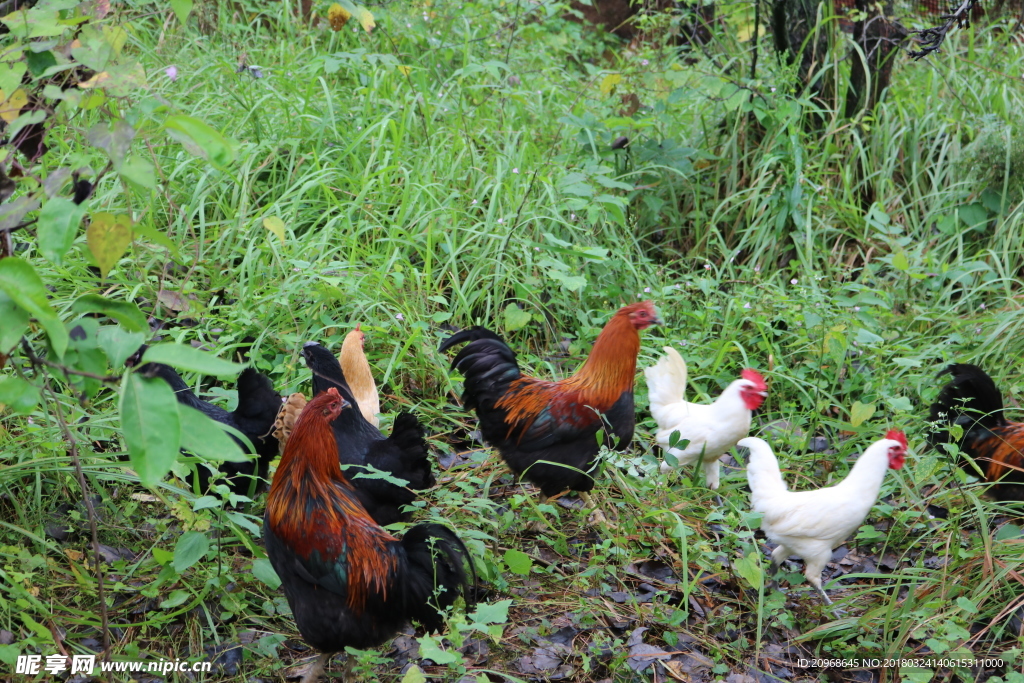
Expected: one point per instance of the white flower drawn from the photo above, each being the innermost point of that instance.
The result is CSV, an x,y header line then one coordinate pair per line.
x,y
757,269
707,266
572,216
678,286
399,316
515,170
644,62
856,309
172,72
536,248
793,281
501,220
473,202
773,89
746,305
983,307
647,290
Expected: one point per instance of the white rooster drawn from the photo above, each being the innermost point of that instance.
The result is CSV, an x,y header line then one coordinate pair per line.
x,y
810,524
712,429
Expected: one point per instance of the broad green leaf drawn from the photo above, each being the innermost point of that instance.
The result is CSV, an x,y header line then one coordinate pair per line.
x,y
17,395
1009,532
491,613
108,236
190,548
860,413
431,649
200,139
206,437
900,403
13,323
18,279
264,571
177,597
162,556
181,8
899,261
115,141
205,503
187,358
118,343
750,570
150,424
276,226
516,318
11,74
124,312
58,224
518,562
414,675
966,605
139,172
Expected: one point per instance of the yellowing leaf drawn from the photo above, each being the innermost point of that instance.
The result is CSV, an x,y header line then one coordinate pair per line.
x,y
609,82
108,236
365,19
338,16
11,107
275,225
860,413
406,70
95,81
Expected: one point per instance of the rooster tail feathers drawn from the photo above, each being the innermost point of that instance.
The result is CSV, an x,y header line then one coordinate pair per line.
x,y
971,399
666,379
407,433
437,573
488,366
763,473
468,335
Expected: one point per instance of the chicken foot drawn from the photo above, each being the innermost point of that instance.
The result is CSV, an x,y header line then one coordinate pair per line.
x,y
316,668
597,515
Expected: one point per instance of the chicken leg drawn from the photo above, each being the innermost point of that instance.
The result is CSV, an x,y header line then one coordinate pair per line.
x,y
316,668
597,515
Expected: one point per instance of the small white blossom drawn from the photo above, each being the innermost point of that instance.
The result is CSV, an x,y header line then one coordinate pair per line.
x,y
983,307
647,290
501,220
172,72
793,281
856,309
644,62
746,305
399,316
572,216
515,170
707,266
757,269
473,202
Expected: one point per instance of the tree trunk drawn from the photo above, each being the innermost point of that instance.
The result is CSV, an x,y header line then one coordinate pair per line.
x,y
803,39
879,40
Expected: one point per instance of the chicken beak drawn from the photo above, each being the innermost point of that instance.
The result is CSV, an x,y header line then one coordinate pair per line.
x,y
656,321
345,404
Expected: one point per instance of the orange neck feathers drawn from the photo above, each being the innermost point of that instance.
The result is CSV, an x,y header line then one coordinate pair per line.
x,y
610,369
312,508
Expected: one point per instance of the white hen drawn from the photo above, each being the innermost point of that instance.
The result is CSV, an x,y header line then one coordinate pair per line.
x,y
712,429
809,524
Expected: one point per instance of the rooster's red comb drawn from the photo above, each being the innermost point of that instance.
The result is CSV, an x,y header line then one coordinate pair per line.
x,y
897,435
754,376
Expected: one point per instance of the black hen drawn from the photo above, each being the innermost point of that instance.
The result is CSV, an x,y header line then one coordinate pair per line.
x,y
972,401
362,448
257,409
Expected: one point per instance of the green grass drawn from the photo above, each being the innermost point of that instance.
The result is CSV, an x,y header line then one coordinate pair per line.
x,y
480,178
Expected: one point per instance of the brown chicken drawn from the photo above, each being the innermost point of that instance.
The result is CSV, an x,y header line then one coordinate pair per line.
x,y
546,431
357,373
348,582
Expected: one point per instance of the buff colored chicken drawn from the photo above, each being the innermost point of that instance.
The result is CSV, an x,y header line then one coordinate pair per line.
x,y
357,373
